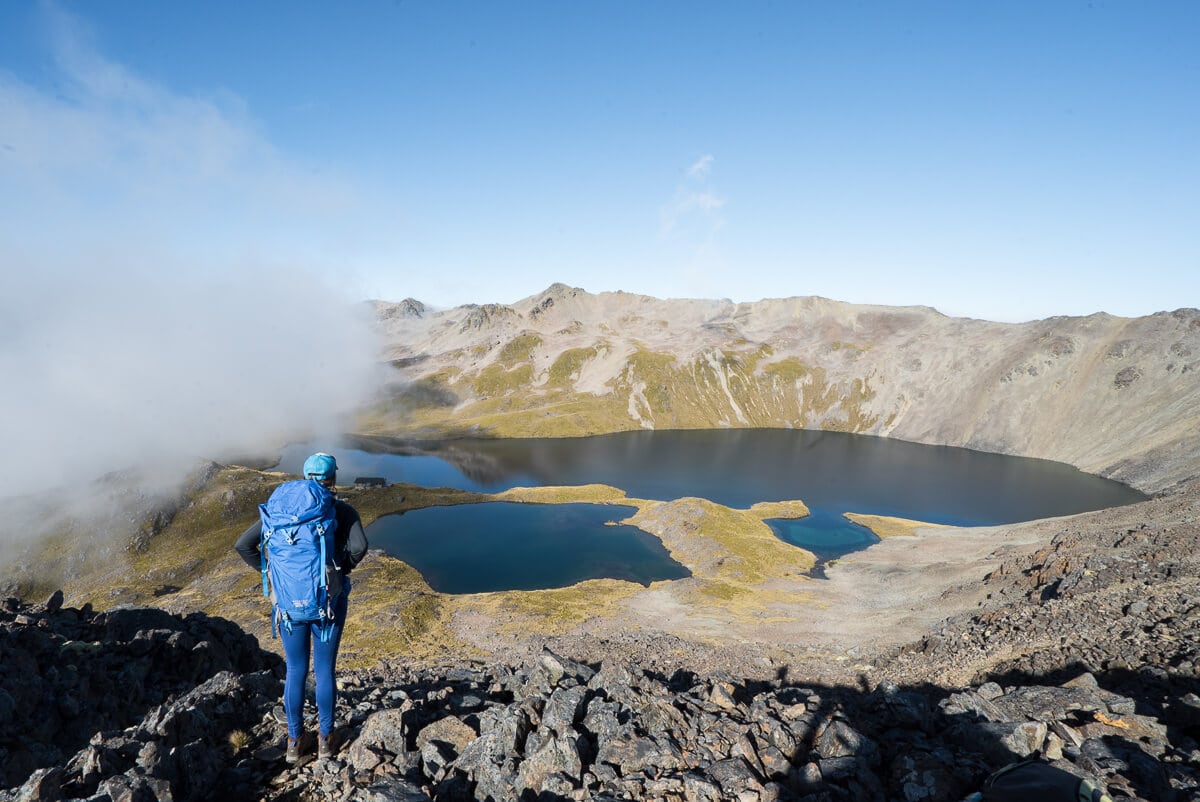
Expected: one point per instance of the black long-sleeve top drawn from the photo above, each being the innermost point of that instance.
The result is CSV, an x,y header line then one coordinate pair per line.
x,y
349,541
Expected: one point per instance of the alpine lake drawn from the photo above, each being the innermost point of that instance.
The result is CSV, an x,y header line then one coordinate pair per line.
x,y
494,546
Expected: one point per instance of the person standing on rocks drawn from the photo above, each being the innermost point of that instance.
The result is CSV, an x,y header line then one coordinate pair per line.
x,y
302,637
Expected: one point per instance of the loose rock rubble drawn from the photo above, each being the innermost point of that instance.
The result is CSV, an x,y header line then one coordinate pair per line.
x,y
556,729
66,673
1121,600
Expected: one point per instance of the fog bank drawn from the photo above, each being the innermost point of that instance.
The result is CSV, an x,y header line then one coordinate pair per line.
x,y
146,369
173,285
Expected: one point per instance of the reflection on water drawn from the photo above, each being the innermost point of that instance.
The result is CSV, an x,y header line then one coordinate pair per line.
x,y
831,472
737,467
476,548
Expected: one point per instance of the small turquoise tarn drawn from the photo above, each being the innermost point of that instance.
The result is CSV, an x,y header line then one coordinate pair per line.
x,y
478,548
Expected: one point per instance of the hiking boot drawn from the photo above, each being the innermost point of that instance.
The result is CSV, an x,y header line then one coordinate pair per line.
x,y
325,746
293,751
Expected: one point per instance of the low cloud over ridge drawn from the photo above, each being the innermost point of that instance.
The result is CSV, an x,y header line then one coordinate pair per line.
x,y
170,284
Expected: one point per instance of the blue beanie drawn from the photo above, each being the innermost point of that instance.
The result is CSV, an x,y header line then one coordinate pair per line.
x,y
320,466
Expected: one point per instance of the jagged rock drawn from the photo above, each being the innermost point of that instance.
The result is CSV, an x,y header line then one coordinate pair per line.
x,y
557,667
697,788
735,776
973,704
55,602
602,719
920,775
721,696
562,709
836,738
1039,703
390,789
138,788
449,730
435,757
1003,741
505,729
8,708
383,736
1150,732
625,732
559,755
44,785
614,680
631,752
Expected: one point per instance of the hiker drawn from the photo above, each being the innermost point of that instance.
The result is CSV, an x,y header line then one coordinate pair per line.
x,y
322,635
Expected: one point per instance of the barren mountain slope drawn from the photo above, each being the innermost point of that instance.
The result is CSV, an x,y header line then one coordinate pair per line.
x,y
1114,396
1110,590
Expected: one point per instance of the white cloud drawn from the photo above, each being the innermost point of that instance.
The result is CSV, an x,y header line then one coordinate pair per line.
x,y
701,166
689,227
693,210
164,295
106,153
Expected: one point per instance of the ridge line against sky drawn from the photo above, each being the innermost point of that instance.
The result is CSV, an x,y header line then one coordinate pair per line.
x,y
1006,161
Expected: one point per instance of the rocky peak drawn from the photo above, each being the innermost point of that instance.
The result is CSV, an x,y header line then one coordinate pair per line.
x,y
409,308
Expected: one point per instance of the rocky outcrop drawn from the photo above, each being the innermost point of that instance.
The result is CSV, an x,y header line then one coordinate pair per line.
x,y
67,674
562,729
1121,598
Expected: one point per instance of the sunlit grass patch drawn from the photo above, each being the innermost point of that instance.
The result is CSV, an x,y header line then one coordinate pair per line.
x,y
594,494
566,368
719,543
886,526
498,379
554,610
780,509
393,612
519,349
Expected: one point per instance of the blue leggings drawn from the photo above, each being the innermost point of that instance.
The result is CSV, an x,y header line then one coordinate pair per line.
x,y
295,651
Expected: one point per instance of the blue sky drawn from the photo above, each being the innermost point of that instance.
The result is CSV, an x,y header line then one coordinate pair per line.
x,y
1007,161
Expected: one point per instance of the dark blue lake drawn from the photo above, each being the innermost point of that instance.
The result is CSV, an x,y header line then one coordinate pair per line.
x,y
831,472
475,548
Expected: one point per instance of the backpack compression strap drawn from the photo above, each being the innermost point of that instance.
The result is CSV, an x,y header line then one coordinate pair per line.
x,y
279,618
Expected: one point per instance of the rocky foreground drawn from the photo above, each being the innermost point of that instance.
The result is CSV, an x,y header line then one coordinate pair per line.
x,y
136,704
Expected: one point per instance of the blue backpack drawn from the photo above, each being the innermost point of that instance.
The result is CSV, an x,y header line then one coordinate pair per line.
x,y
299,522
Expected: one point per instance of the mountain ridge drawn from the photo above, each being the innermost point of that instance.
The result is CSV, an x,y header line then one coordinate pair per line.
x,y
1109,598
1110,395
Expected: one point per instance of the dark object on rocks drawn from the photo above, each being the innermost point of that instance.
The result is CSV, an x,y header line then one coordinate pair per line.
x,y
1036,781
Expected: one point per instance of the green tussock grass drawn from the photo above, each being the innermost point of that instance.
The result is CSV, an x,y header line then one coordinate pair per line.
x,y
790,369
190,566
393,611
738,385
197,542
498,379
779,509
519,349
555,610
557,415
238,740
592,494
724,591
721,544
658,373
566,368
887,526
